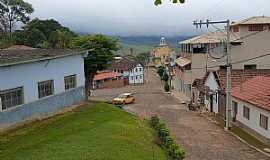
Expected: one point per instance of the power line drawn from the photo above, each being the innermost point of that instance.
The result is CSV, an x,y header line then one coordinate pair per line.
x,y
207,11
237,62
241,38
250,59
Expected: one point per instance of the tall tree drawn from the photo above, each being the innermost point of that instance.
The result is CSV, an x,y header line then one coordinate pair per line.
x,y
101,53
46,26
13,11
60,39
159,2
44,34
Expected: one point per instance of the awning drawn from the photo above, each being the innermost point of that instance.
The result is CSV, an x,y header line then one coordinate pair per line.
x,y
182,62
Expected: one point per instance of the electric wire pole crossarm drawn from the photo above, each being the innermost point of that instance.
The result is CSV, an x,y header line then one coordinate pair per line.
x,y
228,66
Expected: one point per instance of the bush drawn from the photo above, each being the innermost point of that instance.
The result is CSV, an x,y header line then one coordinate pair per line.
x,y
161,71
165,77
166,87
168,141
154,121
173,150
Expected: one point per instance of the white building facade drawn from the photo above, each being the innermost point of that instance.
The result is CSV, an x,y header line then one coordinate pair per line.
x,y
250,118
131,70
136,75
211,100
251,107
39,87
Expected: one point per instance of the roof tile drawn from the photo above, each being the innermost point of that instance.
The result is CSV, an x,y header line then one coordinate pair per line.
x,y
255,91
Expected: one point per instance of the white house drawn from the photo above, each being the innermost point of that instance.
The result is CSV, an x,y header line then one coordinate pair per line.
x,y
211,99
35,83
131,70
213,87
251,101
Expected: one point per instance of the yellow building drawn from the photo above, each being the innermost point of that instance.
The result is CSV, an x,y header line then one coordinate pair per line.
x,y
162,53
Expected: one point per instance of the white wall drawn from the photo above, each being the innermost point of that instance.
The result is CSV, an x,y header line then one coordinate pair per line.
x,y
254,119
213,85
28,75
135,72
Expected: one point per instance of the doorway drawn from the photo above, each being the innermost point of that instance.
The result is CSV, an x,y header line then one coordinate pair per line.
x,y
211,103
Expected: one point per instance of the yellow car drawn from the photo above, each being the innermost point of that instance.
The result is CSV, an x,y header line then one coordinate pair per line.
x,y
125,98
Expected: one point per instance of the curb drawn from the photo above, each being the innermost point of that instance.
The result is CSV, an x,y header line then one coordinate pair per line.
x,y
239,138
251,146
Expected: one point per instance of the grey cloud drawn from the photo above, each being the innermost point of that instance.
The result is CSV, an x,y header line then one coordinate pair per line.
x,y
141,17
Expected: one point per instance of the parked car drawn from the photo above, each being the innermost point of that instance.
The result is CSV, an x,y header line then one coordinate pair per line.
x,y
125,98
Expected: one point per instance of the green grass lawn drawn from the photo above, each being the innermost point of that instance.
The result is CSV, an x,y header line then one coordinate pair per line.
x,y
99,132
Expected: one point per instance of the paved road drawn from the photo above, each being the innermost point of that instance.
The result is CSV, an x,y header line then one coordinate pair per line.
x,y
201,139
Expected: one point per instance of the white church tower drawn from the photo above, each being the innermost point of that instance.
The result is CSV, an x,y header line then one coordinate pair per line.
x,y
163,42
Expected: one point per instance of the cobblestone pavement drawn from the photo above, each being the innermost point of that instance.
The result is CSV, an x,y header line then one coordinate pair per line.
x,y
201,139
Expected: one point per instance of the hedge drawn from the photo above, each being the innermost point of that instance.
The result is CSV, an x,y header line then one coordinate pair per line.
x,y
173,150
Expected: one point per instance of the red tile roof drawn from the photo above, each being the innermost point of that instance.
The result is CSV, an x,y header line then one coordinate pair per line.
x,y
239,76
106,75
255,91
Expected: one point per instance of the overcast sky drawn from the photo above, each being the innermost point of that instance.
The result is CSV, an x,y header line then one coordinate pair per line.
x,y
141,17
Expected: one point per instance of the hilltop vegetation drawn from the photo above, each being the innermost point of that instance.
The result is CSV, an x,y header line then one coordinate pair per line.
x,y
142,44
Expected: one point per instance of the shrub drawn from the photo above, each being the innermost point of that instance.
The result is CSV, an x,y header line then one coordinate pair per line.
x,y
161,71
163,132
166,87
160,126
165,77
154,121
173,150
179,154
168,141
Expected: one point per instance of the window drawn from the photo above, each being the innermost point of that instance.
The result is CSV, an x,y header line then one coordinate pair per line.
x,y
136,70
255,27
140,69
246,112
70,82
235,110
264,121
235,107
131,77
11,98
235,28
250,66
45,88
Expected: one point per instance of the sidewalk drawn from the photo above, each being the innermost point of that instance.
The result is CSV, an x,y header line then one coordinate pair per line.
x,y
181,96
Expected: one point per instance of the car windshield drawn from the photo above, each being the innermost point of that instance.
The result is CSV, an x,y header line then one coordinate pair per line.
x,y
122,96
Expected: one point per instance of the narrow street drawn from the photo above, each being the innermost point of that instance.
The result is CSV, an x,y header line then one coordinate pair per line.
x,y
200,138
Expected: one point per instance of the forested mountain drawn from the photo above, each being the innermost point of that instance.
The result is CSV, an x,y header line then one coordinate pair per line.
x,y
141,44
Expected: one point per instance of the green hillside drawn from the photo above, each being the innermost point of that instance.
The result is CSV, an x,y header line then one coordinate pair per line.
x,y
143,44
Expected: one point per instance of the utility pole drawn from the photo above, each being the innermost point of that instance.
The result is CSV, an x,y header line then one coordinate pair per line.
x,y
228,66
